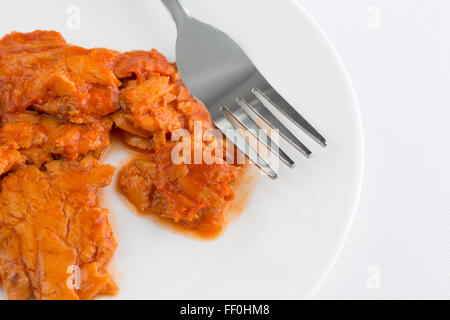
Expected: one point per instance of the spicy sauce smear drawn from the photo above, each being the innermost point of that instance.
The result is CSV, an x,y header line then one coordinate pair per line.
x,y
135,185
210,226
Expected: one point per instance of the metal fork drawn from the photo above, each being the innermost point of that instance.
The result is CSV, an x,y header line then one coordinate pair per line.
x,y
219,73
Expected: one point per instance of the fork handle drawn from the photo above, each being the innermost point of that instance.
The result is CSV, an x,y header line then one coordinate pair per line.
x,y
177,10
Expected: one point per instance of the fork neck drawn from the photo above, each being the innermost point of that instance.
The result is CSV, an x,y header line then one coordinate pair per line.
x,y
178,11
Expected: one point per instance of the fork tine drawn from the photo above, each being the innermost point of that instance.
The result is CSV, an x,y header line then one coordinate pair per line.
x,y
241,144
286,109
265,119
250,123
246,123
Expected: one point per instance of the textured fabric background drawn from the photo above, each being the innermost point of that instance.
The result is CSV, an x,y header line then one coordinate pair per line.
x,y
398,56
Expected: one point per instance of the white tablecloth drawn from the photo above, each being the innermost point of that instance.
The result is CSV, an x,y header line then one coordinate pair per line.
x,y
398,56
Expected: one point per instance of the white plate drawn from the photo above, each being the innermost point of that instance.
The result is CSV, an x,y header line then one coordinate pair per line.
x,y
292,231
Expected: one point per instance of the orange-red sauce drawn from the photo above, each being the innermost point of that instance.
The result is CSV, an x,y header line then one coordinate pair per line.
x,y
232,209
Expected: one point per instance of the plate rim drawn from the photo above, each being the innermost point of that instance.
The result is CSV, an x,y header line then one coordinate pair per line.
x,y
344,237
